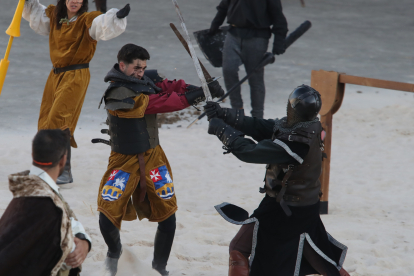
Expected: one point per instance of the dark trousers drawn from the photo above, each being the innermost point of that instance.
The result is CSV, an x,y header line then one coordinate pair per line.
x,y
247,51
243,240
113,240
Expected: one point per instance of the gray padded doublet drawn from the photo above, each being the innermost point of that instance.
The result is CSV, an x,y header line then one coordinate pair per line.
x,y
120,93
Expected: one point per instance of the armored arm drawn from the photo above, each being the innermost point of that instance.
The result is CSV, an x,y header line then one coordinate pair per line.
x,y
264,152
259,129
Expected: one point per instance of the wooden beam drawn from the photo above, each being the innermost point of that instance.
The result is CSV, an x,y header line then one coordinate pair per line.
x,y
400,86
326,83
332,94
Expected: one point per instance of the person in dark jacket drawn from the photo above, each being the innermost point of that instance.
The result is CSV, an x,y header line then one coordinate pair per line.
x,y
251,26
284,235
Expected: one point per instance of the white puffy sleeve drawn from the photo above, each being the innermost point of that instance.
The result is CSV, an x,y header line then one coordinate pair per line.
x,y
34,12
107,26
77,228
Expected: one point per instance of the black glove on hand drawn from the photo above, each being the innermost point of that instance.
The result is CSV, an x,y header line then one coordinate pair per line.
x,y
122,13
195,94
216,126
215,89
224,132
214,110
213,30
279,47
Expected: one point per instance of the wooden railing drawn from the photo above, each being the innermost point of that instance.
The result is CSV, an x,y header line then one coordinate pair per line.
x,y
331,85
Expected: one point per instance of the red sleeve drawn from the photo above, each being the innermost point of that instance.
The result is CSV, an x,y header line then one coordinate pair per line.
x,y
172,97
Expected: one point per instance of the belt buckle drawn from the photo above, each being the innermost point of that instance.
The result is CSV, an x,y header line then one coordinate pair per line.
x,y
54,70
292,133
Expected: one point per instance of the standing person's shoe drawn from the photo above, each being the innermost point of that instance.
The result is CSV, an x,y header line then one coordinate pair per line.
x,y
111,264
66,176
162,248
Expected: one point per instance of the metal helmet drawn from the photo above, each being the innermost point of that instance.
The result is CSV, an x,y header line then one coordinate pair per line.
x,y
306,102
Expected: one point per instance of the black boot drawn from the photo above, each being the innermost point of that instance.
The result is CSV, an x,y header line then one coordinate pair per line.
x,y
113,240
162,248
66,176
111,264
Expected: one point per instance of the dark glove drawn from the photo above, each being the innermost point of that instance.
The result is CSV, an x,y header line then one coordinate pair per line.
x,y
195,94
231,116
215,89
279,47
214,110
122,13
213,30
216,126
224,132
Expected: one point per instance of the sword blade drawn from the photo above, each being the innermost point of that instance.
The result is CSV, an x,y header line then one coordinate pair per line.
x,y
193,54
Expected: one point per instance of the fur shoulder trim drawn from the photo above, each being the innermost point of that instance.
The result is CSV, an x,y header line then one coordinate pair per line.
x,y
24,185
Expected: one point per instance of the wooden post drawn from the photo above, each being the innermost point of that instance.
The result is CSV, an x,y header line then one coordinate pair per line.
x,y
326,122
332,93
331,86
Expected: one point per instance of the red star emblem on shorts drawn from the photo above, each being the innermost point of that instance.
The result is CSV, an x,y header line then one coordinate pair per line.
x,y
155,175
113,174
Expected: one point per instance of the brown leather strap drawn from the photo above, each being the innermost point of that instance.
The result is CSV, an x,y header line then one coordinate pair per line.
x,y
294,138
142,177
289,198
280,195
302,132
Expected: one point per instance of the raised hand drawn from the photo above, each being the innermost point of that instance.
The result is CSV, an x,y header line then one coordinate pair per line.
x,y
122,13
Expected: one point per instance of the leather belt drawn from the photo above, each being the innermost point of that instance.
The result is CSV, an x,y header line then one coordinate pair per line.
x,y
288,198
70,68
142,178
279,197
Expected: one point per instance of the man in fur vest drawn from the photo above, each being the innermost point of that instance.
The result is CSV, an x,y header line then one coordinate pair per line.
x,y
39,233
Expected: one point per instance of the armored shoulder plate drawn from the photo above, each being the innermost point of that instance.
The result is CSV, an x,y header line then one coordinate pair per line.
x,y
120,93
120,98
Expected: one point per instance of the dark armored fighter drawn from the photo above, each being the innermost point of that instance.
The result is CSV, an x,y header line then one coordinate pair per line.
x,y
284,235
138,168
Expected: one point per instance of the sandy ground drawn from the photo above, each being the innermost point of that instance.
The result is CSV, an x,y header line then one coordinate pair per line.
x,y
370,194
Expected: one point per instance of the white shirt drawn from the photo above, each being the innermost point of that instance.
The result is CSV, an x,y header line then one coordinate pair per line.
x,y
77,227
104,27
